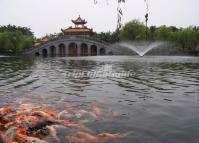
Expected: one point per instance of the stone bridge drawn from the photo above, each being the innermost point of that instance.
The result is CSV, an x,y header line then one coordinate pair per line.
x,y
71,46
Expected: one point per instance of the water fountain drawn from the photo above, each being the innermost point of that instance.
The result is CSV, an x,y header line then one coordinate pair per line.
x,y
142,47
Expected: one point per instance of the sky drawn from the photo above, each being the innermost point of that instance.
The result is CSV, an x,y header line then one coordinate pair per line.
x,y
50,16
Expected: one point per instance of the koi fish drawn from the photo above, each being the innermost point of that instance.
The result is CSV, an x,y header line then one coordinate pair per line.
x,y
25,139
113,136
53,132
96,110
42,115
82,137
9,136
39,126
1,138
5,110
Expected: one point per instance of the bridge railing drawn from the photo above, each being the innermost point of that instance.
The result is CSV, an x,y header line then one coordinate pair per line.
x,y
81,37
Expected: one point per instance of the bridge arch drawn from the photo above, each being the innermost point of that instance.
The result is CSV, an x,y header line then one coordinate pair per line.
x,y
72,48
102,51
44,52
52,51
62,50
84,49
37,54
93,50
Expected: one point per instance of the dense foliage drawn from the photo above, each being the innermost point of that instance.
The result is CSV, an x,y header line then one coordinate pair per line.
x,y
134,30
109,37
13,40
187,39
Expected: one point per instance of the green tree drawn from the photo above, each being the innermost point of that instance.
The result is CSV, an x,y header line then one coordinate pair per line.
x,y
133,30
13,28
163,33
14,42
188,39
110,37
152,30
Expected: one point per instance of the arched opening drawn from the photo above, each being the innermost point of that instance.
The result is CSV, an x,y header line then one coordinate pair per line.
x,y
72,49
84,49
93,50
62,50
44,53
37,54
110,53
102,51
52,51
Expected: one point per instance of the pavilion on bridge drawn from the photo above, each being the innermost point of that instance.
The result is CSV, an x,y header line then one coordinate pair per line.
x,y
79,29
74,43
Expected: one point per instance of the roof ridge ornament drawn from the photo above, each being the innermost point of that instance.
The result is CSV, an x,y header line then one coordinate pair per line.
x,y
79,21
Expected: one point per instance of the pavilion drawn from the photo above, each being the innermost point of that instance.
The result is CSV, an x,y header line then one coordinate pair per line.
x,y
79,29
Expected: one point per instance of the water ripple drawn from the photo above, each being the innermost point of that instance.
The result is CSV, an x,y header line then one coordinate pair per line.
x,y
161,95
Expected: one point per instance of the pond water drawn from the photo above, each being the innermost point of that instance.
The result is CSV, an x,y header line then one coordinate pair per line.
x,y
158,103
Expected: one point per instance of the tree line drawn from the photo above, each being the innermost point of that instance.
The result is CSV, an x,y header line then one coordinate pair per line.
x,y
186,39
14,39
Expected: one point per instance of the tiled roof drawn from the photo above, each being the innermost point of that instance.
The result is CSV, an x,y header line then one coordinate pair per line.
x,y
77,30
79,20
44,39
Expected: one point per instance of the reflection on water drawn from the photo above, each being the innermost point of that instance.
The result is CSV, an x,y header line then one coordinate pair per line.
x,y
158,104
